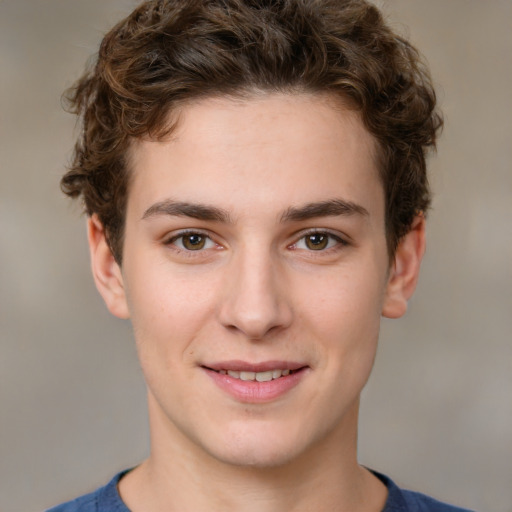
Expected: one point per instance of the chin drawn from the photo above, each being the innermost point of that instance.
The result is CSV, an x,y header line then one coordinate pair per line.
x,y
257,457
259,447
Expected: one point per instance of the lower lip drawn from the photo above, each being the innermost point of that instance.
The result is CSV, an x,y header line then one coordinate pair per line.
x,y
251,391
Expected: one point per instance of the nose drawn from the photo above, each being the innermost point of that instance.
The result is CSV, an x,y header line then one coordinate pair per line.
x,y
255,301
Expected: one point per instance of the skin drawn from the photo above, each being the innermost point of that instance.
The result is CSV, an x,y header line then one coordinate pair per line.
x,y
257,290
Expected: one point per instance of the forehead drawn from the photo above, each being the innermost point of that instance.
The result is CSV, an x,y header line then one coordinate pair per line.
x,y
272,149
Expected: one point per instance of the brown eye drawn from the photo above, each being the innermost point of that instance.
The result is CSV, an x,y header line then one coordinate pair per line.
x,y
317,241
193,241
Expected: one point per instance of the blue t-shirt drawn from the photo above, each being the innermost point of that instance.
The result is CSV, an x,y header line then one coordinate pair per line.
x,y
107,499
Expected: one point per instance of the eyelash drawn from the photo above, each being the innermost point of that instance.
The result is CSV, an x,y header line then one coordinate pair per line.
x,y
183,234
339,241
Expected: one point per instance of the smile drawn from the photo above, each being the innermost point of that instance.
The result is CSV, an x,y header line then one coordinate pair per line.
x,y
257,376
256,383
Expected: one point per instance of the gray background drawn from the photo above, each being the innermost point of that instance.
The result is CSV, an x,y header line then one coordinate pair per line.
x,y
437,413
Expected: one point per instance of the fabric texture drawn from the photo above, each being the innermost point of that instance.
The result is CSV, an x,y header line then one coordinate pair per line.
x,y
107,499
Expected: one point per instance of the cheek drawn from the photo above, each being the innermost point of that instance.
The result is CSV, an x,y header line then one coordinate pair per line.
x,y
343,312
167,310
345,298
160,293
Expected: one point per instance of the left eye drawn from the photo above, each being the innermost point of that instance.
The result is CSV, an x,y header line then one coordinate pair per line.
x,y
193,242
317,242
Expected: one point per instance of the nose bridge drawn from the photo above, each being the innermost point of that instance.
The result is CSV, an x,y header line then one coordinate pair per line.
x,y
254,300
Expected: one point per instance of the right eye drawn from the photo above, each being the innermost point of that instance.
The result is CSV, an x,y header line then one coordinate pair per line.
x,y
192,241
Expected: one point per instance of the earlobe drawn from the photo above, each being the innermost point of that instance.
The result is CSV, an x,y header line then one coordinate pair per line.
x,y
405,270
106,271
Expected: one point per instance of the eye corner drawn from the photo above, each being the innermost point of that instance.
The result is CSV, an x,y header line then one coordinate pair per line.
x,y
319,242
190,242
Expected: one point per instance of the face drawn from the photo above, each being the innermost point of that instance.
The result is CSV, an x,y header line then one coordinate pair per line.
x,y
255,272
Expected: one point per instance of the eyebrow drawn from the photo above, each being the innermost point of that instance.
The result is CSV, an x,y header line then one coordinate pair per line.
x,y
330,208
184,209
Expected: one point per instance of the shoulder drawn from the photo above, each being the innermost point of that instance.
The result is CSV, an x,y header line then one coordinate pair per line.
x,y
418,502
400,500
87,503
104,499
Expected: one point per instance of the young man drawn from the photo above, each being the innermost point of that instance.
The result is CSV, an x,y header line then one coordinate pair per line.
x,y
254,176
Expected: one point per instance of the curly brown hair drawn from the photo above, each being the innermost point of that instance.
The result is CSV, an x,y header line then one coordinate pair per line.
x,y
168,52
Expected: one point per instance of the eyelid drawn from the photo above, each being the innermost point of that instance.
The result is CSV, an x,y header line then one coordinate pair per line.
x,y
340,239
182,232
170,239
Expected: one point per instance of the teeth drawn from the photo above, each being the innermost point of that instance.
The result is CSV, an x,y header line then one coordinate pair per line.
x,y
264,376
257,376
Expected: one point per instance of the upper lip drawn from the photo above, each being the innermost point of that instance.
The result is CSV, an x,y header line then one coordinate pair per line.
x,y
245,366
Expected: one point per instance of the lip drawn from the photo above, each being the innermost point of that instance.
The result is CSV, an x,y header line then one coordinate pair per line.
x,y
244,366
253,391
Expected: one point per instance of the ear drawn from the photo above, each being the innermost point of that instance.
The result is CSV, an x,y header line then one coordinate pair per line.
x,y
105,270
405,270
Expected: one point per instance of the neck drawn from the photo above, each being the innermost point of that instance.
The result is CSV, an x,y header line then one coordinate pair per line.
x,y
179,475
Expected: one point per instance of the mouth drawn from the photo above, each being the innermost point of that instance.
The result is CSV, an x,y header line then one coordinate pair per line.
x,y
265,376
256,383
